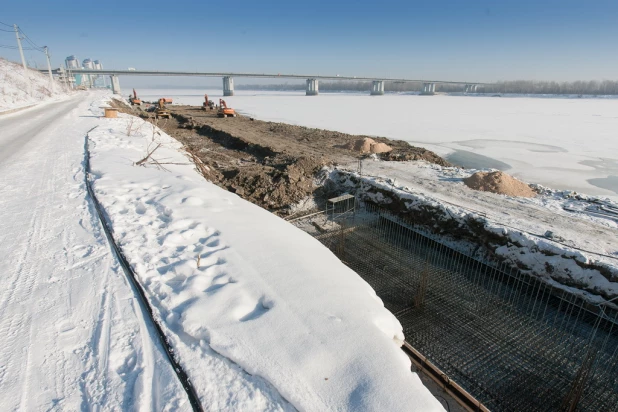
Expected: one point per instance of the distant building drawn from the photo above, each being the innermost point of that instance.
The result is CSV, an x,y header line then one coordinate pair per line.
x,y
99,80
71,62
88,80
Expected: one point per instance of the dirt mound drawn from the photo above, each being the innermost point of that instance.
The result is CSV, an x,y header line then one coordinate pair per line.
x,y
380,148
499,182
414,153
272,164
274,186
364,145
368,145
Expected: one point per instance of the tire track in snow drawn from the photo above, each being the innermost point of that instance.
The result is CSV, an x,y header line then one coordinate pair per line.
x,y
20,293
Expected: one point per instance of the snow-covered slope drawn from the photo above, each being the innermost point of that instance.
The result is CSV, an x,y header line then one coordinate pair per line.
x,y
15,91
259,312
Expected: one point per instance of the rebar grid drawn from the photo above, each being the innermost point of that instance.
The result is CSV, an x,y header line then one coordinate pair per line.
x,y
515,342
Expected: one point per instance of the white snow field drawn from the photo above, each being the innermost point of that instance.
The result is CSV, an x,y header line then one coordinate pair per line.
x,y
563,143
259,313
16,92
72,334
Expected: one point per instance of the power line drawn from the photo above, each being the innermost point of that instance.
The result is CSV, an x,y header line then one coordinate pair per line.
x,y
9,31
15,47
9,25
33,44
27,38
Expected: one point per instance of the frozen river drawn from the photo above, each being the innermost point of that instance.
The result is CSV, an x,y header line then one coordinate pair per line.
x,y
557,142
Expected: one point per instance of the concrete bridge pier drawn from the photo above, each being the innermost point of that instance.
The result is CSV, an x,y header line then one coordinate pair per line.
x,y
377,88
228,86
429,89
312,87
115,84
470,88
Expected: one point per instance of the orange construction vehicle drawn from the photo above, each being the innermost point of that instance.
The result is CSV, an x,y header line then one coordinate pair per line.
x,y
134,100
208,104
225,111
161,110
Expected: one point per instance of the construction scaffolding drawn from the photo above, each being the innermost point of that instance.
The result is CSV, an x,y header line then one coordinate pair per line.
x,y
514,341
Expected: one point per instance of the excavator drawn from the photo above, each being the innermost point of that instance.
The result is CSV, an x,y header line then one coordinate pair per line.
x,y
134,100
161,110
208,104
225,111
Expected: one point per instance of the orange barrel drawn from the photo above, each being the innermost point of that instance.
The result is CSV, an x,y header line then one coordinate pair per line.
x,y
111,113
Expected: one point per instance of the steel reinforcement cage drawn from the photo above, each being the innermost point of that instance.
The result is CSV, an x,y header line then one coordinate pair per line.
x,y
514,341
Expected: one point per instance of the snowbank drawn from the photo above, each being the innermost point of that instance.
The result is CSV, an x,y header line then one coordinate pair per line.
x,y
15,92
226,275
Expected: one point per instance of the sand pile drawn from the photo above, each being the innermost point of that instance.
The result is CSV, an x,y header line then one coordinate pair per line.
x,y
499,182
368,145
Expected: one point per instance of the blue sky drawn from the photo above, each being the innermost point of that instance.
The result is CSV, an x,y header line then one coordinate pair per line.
x,y
473,40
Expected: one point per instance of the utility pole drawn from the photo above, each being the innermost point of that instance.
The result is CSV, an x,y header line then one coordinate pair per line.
x,y
51,78
23,60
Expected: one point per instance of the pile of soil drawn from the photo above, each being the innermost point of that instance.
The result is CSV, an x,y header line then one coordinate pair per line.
x,y
275,185
271,180
367,145
499,182
295,140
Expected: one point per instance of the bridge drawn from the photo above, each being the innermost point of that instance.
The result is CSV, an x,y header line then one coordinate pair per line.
x,y
377,84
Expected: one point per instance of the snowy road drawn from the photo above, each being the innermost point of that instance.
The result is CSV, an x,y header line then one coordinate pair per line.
x,y
71,331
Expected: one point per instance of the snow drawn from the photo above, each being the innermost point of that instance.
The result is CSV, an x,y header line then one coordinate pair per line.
x,y
261,315
16,93
562,143
73,336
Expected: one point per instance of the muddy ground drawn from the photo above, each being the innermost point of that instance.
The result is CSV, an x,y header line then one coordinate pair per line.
x,y
270,164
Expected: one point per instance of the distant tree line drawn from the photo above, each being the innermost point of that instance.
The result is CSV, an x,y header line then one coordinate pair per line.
x,y
592,87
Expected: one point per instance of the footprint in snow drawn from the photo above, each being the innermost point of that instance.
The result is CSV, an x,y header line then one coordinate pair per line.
x,y
192,201
262,306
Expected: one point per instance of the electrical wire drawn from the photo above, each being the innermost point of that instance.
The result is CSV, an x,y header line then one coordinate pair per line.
x,y
8,31
9,25
33,44
4,46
